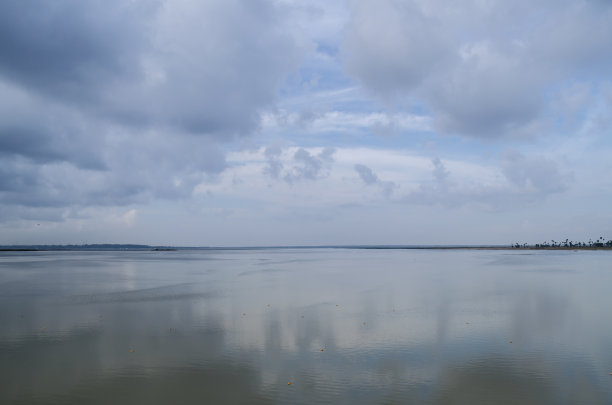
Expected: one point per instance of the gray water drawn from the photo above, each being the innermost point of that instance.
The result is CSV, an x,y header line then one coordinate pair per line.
x,y
342,326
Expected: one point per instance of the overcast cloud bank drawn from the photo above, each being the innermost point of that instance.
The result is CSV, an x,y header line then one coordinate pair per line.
x,y
234,116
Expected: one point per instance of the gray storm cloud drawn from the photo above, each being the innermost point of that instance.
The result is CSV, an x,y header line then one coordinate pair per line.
x,y
113,103
202,67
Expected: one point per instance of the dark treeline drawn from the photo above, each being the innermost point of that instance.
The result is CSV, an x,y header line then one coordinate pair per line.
x,y
597,243
100,246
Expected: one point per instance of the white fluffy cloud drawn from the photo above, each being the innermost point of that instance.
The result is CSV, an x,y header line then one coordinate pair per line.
x,y
483,69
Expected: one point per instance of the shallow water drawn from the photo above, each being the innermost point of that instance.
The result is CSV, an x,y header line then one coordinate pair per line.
x,y
341,325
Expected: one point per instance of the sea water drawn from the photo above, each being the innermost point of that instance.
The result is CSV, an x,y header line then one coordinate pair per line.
x,y
306,326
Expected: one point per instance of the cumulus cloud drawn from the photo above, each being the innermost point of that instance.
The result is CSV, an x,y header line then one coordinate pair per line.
x,y
440,173
45,132
117,103
273,158
483,69
139,168
522,180
203,67
366,174
302,165
370,178
70,49
537,174
309,166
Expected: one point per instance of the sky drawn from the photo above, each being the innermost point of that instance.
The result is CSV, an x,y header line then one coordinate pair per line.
x,y
288,122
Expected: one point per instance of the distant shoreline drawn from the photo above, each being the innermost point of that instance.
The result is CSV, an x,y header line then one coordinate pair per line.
x,y
132,247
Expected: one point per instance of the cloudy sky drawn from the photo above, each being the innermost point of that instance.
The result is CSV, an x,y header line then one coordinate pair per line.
x,y
288,122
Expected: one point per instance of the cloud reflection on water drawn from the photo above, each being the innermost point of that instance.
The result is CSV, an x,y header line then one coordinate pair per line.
x,y
435,330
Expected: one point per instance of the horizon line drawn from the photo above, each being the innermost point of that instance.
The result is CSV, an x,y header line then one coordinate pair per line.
x,y
133,246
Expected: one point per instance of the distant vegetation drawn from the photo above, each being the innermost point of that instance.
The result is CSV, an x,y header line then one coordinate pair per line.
x,y
101,246
567,244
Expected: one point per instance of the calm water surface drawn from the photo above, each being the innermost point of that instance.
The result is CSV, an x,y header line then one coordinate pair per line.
x,y
342,326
